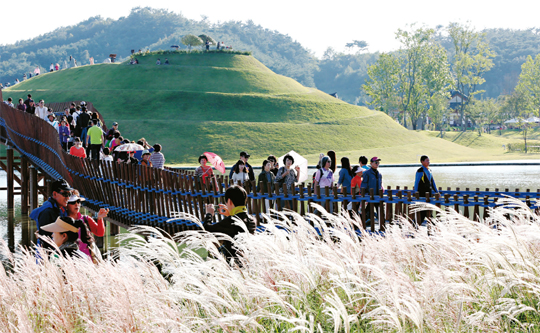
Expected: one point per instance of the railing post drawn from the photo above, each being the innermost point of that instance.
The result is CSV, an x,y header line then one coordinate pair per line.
x,y
302,202
25,182
10,180
363,207
372,209
382,218
33,188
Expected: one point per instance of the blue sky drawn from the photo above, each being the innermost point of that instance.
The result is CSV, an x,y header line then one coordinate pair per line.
x,y
317,25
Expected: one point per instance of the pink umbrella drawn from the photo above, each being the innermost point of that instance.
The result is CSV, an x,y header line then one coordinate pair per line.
x,y
216,161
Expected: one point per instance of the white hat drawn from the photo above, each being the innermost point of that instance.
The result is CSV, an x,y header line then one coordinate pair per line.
x,y
60,226
75,197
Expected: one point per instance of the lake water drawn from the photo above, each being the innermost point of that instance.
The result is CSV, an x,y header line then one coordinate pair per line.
x,y
16,229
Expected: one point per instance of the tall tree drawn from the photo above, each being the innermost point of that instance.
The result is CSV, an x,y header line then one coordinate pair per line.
x,y
410,76
191,40
529,81
383,82
438,111
472,58
520,106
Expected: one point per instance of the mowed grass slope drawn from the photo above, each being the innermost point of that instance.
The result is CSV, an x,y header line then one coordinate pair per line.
x,y
226,103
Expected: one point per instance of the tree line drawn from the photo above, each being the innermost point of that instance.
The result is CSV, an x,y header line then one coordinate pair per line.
x,y
415,82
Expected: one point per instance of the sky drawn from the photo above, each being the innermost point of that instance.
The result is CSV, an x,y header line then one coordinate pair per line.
x,y
317,25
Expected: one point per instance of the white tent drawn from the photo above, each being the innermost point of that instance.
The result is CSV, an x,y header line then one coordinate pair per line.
x,y
512,121
533,120
298,161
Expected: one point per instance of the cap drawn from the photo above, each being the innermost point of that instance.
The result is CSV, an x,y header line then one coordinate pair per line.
x,y
244,154
146,152
83,103
60,185
374,159
60,226
115,123
75,197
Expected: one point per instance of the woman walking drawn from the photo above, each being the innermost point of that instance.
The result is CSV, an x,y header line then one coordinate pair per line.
x,y
266,178
288,176
239,173
96,228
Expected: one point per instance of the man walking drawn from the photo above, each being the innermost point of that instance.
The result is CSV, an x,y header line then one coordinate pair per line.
x,y
94,136
54,207
244,156
424,183
372,179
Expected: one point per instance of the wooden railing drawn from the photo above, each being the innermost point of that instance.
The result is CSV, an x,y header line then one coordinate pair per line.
x,y
136,194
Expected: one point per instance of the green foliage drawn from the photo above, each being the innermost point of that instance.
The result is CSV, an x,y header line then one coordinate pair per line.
x,y
408,79
359,45
438,111
153,29
529,85
472,57
191,40
383,82
204,38
217,102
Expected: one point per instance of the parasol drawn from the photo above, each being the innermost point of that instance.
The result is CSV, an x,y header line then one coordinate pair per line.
x,y
129,147
216,161
300,161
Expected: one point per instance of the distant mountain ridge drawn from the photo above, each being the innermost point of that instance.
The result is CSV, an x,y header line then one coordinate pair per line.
x,y
148,28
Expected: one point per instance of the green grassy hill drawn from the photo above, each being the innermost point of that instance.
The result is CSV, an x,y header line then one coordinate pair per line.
x,y
227,103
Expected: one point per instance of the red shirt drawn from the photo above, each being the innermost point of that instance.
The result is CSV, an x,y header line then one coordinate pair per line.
x,y
357,180
79,152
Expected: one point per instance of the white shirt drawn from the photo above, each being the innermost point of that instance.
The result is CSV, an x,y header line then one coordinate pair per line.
x,y
54,124
42,112
241,176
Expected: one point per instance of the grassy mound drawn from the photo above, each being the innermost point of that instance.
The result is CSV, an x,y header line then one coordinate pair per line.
x,y
227,103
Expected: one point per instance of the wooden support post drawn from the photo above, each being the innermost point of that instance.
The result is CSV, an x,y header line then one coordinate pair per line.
x,y
476,211
10,180
372,209
33,180
382,218
466,208
363,207
25,182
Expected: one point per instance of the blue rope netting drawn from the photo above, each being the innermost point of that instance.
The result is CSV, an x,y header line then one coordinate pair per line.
x,y
302,198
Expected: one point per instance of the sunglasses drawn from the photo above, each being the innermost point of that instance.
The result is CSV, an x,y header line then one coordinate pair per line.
x,y
377,162
65,194
74,202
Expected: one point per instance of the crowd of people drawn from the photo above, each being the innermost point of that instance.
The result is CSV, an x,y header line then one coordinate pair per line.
x,y
54,67
351,179
62,229
81,133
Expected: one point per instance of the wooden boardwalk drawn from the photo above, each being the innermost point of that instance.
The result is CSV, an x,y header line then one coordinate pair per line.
x,y
137,195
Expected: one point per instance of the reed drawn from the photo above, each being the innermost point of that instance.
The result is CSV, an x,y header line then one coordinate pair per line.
x,y
303,274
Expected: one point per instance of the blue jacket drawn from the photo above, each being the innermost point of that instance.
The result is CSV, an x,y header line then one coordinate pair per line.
x,y
371,179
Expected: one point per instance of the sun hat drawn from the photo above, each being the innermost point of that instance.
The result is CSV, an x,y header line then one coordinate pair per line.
x,y
60,226
75,197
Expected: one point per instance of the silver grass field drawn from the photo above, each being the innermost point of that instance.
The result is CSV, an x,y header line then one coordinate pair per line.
x,y
460,276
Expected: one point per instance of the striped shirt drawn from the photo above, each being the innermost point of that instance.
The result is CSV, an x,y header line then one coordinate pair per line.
x,y
158,160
